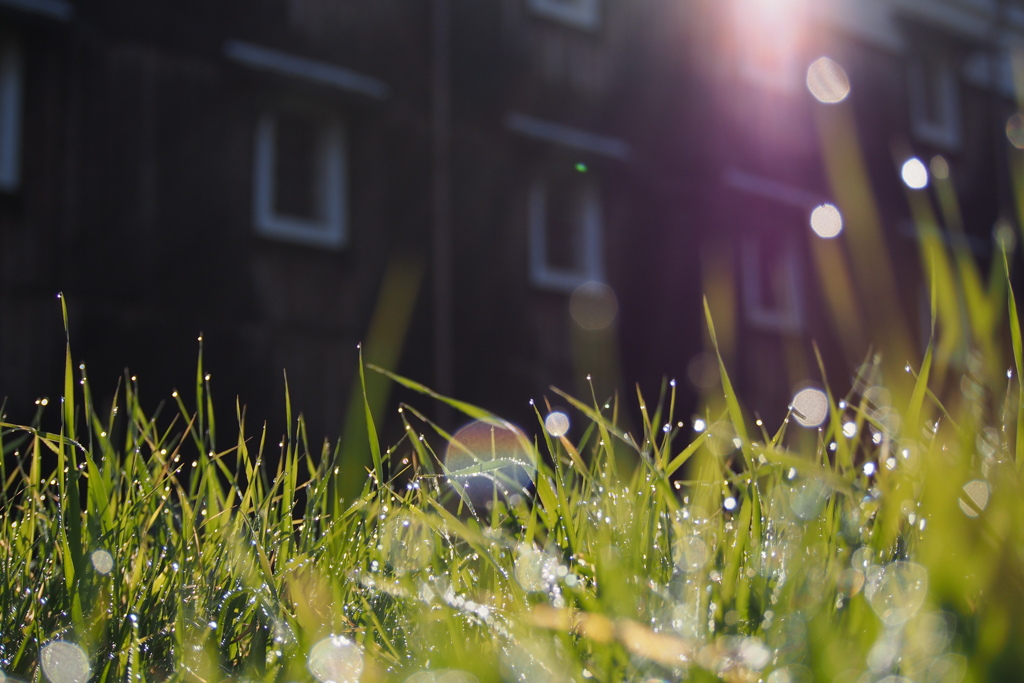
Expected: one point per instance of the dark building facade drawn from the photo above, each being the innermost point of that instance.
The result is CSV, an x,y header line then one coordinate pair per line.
x,y
495,196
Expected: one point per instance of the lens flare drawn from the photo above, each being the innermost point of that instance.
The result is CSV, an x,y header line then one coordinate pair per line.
x,y
442,676
489,454
556,424
810,407
897,592
939,167
914,174
102,561
1015,130
64,662
593,306
690,553
826,221
407,542
827,81
975,497
336,659
535,569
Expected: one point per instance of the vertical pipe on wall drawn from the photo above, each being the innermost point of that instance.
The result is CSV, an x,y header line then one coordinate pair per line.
x,y
441,200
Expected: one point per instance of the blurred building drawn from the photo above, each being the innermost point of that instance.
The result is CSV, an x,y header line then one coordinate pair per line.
x,y
496,196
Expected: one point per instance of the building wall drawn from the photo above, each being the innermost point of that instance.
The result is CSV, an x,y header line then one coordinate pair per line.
x,y
689,136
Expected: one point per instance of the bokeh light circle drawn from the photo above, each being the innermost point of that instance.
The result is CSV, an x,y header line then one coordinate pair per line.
x,y
490,454
1015,130
690,553
826,221
975,497
535,569
593,305
336,659
897,592
556,424
407,542
827,81
442,676
810,407
102,561
914,174
64,662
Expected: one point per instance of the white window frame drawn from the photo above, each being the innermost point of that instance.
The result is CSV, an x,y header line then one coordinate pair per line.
x,y
11,107
582,14
542,273
331,230
942,127
788,315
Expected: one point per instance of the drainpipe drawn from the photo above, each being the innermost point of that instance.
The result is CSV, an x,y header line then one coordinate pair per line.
x,y
441,200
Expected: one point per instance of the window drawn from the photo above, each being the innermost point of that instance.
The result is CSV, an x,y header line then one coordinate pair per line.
x,y
10,112
934,99
565,230
771,283
584,14
299,192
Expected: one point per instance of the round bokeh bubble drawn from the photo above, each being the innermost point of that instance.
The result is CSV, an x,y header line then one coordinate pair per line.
x,y
593,305
556,424
407,542
102,561
827,81
897,592
64,662
810,407
442,676
336,659
491,454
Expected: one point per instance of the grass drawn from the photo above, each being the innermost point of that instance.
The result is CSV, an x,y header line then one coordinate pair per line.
x,y
886,541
